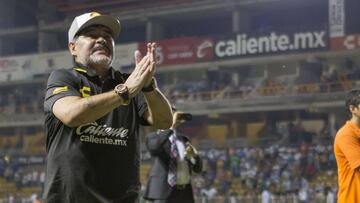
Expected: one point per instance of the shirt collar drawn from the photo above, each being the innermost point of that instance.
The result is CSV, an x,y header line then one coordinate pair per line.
x,y
89,71
173,136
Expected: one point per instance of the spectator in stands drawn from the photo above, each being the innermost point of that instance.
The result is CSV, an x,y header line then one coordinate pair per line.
x,y
35,198
265,195
303,195
42,180
330,197
2,166
349,70
93,114
347,151
234,162
208,193
198,184
232,197
175,160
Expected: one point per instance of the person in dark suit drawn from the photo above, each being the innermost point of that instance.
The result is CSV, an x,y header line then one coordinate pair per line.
x,y
175,160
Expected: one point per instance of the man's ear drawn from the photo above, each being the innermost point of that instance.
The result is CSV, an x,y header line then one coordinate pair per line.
x,y
351,108
71,47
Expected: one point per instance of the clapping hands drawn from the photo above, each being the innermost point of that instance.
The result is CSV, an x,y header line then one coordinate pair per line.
x,y
190,151
143,72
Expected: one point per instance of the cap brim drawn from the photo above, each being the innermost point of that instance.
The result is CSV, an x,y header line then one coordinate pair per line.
x,y
107,21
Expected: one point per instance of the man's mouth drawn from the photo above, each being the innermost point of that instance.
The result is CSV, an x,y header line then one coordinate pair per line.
x,y
101,50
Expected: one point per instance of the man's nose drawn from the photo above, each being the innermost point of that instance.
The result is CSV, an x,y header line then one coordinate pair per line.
x,y
101,40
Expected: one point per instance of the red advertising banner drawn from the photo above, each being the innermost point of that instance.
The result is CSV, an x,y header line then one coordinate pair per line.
x,y
348,42
182,50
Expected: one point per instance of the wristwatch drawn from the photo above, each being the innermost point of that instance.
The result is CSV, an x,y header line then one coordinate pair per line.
x,y
123,92
151,87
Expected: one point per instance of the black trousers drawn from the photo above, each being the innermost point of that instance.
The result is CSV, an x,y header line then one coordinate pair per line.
x,y
179,195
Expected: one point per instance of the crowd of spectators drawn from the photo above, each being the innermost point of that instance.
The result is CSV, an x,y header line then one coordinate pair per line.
x,y
313,77
22,178
29,175
305,173
22,99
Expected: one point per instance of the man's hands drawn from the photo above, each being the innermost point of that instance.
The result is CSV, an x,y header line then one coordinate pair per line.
x,y
158,113
151,48
143,72
190,151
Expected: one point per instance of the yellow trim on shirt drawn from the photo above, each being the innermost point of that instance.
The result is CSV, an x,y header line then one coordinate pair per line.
x,y
81,70
60,89
87,93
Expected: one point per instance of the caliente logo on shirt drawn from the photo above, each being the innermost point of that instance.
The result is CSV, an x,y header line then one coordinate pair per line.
x,y
102,134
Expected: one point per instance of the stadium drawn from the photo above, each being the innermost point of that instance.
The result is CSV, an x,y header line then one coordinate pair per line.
x,y
265,82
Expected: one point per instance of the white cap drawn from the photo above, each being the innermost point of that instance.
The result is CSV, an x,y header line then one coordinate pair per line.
x,y
88,19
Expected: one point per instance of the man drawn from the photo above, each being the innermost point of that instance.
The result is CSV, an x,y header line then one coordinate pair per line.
x,y
175,159
93,114
347,152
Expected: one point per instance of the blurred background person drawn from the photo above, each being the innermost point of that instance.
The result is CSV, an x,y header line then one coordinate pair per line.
x,y
175,160
347,151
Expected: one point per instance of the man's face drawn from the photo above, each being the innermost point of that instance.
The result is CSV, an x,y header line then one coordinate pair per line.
x,y
94,46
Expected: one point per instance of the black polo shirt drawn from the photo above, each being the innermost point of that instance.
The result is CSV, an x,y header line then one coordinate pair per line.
x,y
97,161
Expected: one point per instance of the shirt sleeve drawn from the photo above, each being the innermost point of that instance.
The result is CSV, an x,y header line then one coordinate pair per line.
x,y
61,83
350,146
141,106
